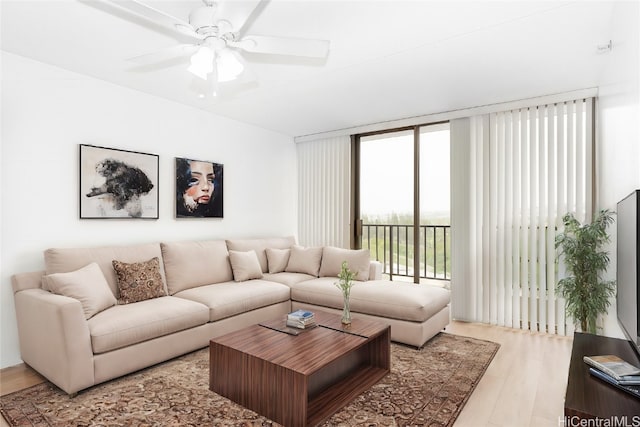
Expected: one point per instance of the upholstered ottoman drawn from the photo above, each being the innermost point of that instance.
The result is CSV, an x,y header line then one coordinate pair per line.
x,y
415,312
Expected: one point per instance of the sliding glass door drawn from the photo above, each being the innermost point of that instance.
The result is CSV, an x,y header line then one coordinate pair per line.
x,y
402,200
386,199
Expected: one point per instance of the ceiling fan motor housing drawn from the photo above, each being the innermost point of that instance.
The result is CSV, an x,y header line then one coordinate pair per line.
x,y
203,20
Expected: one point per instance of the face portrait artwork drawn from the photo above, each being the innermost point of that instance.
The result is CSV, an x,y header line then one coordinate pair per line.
x,y
198,189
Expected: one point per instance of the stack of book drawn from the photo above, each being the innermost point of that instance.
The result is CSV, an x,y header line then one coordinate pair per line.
x,y
616,372
301,319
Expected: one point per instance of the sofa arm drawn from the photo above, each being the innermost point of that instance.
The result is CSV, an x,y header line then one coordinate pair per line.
x,y
375,270
54,338
30,280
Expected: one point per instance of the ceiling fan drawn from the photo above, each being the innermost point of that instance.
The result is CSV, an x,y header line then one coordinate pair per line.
x,y
215,35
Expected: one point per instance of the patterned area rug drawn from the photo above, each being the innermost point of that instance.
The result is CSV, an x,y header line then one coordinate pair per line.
x,y
426,387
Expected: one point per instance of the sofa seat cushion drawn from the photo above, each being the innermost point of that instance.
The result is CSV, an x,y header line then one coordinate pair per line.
x,y
287,278
124,325
395,300
231,298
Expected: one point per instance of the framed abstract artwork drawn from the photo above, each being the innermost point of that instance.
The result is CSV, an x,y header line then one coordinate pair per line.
x,y
118,183
198,189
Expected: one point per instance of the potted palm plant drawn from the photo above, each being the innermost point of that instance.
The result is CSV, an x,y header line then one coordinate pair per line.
x,y
587,295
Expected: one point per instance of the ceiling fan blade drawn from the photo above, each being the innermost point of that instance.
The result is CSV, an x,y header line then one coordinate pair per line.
x,y
165,54
157,17
237,12
283,46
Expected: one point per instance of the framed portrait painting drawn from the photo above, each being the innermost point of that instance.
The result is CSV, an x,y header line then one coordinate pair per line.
x,y
198,189
118,183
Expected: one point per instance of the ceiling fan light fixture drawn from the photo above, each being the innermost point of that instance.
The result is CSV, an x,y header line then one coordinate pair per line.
x,y
216,34
228,66
202,62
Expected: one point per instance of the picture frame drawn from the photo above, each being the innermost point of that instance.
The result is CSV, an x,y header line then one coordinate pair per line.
x,y
199,189
116,183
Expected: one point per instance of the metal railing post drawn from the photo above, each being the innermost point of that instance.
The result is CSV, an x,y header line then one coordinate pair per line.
x,y
390,252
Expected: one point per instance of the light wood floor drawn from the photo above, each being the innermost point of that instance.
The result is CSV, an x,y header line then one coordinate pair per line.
x,y
525,383
523,386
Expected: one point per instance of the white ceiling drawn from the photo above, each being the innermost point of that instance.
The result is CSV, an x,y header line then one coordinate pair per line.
x,y
388,59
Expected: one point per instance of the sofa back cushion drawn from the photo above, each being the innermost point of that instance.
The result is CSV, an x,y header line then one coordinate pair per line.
x,y
65,260
260,245
357,261
195,263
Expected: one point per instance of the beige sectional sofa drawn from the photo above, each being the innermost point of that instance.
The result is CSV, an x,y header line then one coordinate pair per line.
x,y
87,319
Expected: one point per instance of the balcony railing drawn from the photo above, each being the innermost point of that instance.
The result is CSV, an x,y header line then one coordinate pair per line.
x,y
393,245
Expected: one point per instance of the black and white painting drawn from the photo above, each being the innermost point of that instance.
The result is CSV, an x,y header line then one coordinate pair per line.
x,y
118,183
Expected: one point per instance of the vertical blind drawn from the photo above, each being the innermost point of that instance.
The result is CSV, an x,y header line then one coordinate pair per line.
x,y
527,168
323,191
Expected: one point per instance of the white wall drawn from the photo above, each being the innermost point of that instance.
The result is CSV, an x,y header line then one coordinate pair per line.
x,y
47,112
618,115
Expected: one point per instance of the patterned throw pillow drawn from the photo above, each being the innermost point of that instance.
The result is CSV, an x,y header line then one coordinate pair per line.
x,y
138,281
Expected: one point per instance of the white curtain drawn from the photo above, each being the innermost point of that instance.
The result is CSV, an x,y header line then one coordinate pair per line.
x,y
323,191
519,172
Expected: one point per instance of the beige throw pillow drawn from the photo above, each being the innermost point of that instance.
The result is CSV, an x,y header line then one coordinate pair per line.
x,y
277,259
138,281
260,246
304,260
357,261
88,285
245,265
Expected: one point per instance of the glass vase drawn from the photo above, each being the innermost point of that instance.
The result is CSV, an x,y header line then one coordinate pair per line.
x,y
346,312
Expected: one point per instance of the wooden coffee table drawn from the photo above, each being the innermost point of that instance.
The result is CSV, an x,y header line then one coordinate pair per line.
x,y
299,380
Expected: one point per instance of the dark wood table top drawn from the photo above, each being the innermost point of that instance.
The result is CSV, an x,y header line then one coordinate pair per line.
x,y
308,351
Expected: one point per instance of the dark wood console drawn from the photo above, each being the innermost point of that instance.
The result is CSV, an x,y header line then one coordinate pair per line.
x,y
588,397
